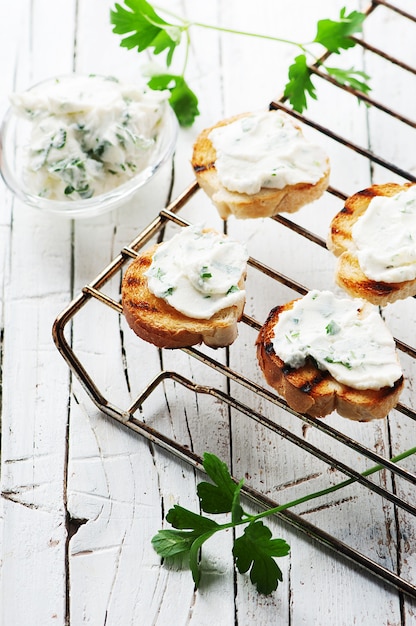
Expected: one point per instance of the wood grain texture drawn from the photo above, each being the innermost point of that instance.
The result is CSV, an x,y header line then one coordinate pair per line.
x,y
82,496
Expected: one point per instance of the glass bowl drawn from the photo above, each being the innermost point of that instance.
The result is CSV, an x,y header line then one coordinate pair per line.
x,y
15,134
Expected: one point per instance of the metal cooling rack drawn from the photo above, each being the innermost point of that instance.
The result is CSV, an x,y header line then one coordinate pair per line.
x,y
127,416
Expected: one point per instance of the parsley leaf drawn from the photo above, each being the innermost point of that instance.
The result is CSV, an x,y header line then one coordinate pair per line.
x,y
254,551
299,84
346,364
205,274
148,30
223,496
350,78
168,542
336,35
142,28
332,328
192,530
184,519
182,99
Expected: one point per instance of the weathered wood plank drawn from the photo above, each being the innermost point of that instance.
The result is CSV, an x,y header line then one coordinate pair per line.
x,y
94,518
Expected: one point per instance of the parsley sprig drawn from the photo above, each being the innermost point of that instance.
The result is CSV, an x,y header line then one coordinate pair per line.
x,y
143,28
255,551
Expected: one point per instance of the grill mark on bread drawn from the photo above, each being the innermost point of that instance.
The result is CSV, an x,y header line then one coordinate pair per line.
x,y
275,312
134,281
315,392
143,261
382,288
203,168
370,192
312,385
269,348
386,391
371,286
348,273
142,305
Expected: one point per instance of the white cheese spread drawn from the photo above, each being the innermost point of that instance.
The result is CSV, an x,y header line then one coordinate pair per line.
x,y
347,337
88,134
197,272
265,150
385,237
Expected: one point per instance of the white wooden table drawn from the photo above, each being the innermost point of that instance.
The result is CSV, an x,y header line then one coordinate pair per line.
x,y
81,495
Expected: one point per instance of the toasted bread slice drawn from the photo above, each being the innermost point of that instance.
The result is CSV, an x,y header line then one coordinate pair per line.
x,y
155,321
348,273
313,391
266,203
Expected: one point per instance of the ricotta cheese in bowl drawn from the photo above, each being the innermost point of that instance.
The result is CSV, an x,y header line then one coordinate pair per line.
x,y
81,145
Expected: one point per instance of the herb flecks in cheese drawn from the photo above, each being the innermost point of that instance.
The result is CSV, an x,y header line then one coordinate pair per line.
x,y
265,150
345,336
198,272
385,237
88,134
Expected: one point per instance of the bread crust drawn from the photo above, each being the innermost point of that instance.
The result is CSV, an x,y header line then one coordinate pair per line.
x,y
155,321
266,203
315,392
348,273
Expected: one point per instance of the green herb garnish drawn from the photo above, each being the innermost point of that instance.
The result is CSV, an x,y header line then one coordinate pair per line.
x,y
205,274
58,140
292,335
255,550
141,27
169,291
336,35
346,364
332,328
158,273
233,289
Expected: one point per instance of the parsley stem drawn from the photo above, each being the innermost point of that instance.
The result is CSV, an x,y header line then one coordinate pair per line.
x,y
187,24
324,492
188,45
247,519
232,31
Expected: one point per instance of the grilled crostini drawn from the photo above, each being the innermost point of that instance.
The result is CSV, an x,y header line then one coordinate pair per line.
x,y
324,354
374,236
187,291
258,165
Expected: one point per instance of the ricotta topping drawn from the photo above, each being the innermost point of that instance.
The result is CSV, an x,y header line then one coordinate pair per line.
x,y
385,237
88,134
265,150
197,272
347,337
